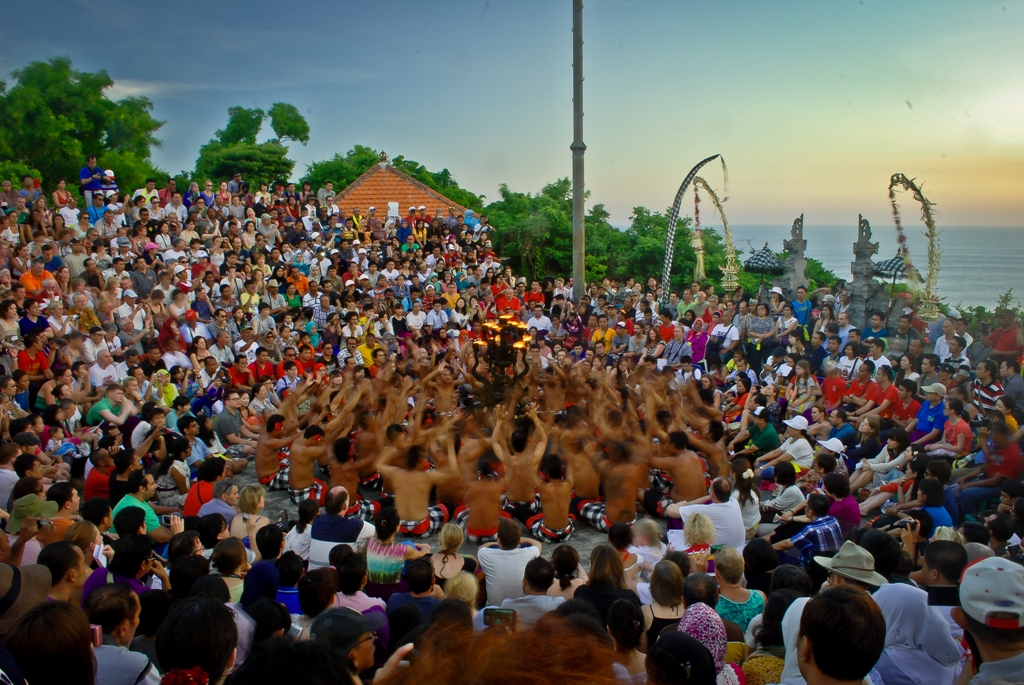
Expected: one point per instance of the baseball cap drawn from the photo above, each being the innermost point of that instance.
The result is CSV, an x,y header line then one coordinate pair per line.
x,y
202,253
992,592
854,562
797,422
834,445
123,242
349,282
759,412
178,269
342,628
129,293
935,389
422,207
621,324
152,246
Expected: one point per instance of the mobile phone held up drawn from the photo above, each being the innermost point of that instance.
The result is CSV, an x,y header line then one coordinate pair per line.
x,y
493,616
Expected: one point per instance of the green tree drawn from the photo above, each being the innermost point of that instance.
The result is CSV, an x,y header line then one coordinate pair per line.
x,y
288,123
234,148
54,115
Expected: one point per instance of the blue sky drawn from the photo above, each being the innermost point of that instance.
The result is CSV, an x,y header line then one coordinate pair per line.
x,y
813,104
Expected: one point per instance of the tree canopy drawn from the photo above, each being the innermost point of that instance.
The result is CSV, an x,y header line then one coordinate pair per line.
x,y
54,115
234,147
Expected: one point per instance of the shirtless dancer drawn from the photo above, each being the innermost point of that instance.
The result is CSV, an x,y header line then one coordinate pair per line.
x,y
555,483
521,500
312,447
687,471
484,488
622,476
272,460
344,470
412,487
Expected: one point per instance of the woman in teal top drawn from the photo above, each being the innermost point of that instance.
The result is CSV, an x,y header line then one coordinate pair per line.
x,y
386,558
735,603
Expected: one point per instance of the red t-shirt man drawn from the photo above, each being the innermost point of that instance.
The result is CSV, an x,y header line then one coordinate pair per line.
x,y
905,412
1006,461
33,364
508,305
833,388
867,391
893,395
259,370
97,485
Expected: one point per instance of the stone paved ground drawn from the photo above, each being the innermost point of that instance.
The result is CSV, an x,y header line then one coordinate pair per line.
x,y
584,539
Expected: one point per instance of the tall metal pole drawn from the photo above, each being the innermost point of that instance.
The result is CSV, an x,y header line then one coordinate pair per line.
x,y
579,240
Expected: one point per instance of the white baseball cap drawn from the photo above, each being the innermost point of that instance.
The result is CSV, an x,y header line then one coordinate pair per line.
x,y
349,282
834,445
992,592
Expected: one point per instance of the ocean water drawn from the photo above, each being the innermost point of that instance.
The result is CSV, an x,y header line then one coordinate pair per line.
x,y
978,263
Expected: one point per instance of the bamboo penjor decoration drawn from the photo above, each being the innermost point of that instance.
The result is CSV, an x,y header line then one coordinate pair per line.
x,y
928,311
731,266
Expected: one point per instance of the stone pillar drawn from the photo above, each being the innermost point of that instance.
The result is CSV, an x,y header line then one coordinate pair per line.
x,y
794,261
862,287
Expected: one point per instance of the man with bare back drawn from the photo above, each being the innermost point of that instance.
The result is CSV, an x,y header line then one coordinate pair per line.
x,y
344,470
484,487
688,472
555,483
622,475
272,457
306,450
412,486
521,500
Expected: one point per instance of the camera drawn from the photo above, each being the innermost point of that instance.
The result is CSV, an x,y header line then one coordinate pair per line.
x,y
981,422
905,523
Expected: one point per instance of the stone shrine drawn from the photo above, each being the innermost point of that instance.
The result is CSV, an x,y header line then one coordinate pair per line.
x,y
793,261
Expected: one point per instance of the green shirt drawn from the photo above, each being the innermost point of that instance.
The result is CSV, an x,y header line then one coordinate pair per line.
x,y
764,440
152,522
93,418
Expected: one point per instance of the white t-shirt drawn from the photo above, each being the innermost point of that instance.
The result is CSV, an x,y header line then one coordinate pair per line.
x,y
751,512
504,569
415,321
726,334
729,525
848,367
800,450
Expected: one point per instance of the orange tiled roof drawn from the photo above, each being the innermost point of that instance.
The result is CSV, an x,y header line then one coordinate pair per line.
x,y
383,183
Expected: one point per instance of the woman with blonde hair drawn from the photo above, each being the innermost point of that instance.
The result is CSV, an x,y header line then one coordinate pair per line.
x,y
251,501
647,544
447,562
86,536
735,602
464,587
698,533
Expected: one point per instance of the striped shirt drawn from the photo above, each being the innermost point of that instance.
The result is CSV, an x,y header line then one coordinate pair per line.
x,y
985,395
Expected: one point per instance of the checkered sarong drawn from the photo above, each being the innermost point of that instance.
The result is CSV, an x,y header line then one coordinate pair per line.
x,y
437,517
366,509
279,480
317,491
542,532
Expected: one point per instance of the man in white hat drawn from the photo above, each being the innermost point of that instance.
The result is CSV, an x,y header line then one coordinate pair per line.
x,y
132,309
991,612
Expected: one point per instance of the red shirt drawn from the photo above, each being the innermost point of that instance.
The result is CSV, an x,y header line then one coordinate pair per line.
x,y
238,378
263,371
867,391
97,485
531,297
1006,461
893,395
833,389
1005,340
905,413
33,365
198,495
505,304
667,332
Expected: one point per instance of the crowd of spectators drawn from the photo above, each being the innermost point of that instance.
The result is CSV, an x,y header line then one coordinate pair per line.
x,y
777,496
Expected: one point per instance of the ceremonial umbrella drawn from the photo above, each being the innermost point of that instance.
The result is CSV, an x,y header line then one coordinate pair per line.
x,y
763,262
896,269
